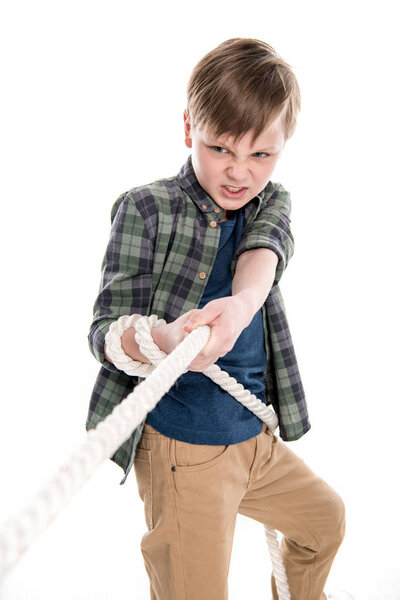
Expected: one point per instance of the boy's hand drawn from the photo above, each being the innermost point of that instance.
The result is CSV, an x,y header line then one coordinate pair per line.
x,y
168,336
227,317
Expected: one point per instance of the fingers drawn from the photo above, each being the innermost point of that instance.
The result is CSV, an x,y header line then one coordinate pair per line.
x,y
217,346
220,317
203,316
200,363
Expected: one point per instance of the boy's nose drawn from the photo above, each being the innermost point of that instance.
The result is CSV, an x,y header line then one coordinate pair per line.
x,y
237,172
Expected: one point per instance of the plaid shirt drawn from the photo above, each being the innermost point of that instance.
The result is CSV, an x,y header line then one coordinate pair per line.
x,y
162,248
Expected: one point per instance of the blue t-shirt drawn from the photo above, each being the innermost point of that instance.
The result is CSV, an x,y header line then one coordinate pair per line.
x,y
197,410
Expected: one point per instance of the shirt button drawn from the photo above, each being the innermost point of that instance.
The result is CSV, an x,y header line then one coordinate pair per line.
x,y
213,224
202,275
217,210
204,206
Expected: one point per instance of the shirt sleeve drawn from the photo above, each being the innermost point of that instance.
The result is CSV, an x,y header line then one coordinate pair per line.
x,y
271,229
126,270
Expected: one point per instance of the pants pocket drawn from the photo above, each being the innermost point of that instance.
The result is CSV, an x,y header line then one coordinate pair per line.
x,y
142,466
195,457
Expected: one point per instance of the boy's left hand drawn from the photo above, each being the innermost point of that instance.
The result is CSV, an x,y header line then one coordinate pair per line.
x,y
227,317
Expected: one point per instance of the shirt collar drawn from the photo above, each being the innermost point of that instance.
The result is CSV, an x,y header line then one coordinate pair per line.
x,y
189,182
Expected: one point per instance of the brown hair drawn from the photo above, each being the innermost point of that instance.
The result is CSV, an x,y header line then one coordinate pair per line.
x,y
242,84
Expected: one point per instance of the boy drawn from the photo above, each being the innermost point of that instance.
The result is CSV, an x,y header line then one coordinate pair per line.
x,y
209,246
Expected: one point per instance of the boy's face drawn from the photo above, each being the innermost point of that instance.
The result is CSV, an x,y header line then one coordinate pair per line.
x,y
233,173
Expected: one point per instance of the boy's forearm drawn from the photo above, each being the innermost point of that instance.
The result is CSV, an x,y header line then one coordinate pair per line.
x,y
254,276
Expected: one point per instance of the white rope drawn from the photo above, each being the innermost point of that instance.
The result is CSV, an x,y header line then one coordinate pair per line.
x,y
102,442
149,348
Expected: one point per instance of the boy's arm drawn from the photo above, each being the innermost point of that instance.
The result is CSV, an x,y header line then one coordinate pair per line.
x,y
228,316
271,228
254,276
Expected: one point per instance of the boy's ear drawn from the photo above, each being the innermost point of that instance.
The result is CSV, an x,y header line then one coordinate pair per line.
x,y
186,120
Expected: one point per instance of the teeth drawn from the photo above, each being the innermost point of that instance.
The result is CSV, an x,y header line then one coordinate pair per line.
x,y
233,189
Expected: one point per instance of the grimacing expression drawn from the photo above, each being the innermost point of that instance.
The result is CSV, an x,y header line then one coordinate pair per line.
x,y
233,173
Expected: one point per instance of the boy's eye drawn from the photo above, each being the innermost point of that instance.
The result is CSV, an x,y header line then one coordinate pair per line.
x,y
219,149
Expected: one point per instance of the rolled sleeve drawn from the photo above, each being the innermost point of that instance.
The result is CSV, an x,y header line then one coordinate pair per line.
x,y
125,284
271,229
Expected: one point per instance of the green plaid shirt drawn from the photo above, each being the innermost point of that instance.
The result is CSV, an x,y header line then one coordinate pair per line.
x,y
158,260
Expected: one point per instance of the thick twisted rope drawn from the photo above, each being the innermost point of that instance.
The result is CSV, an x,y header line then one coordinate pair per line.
x,y
148,348
102,442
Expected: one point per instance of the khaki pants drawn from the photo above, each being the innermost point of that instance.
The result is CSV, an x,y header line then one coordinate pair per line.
x,y
192,494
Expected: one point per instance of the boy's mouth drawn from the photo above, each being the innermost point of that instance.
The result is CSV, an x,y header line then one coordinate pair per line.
x,y
233,192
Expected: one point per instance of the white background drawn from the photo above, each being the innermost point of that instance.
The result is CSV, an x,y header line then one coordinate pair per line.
x,y
92,101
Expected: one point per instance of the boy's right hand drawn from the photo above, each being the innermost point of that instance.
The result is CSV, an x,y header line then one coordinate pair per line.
x,y
167,337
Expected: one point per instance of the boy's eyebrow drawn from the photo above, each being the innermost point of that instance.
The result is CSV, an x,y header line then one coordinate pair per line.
x,y
217,142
